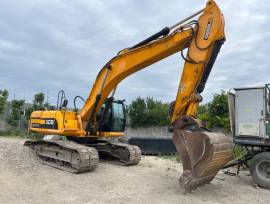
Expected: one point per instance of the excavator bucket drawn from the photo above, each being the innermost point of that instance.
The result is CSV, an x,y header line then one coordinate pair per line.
x,y
203,153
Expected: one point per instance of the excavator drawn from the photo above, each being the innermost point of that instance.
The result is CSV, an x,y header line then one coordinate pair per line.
x,y
93,131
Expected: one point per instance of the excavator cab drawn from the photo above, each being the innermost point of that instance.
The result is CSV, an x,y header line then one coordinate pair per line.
x,y
112,116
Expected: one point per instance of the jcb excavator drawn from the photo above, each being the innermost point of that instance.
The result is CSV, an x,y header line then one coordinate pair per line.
x,y
89,132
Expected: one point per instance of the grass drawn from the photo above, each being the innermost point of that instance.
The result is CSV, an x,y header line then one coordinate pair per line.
x,y
238,151
175,157
10,133
20,133
11,136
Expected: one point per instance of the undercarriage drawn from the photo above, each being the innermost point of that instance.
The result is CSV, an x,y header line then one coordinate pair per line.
x,y
83,155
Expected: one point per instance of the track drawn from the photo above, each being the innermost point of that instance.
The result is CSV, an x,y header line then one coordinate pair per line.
x,y
76,158
117,152
65,155
133,151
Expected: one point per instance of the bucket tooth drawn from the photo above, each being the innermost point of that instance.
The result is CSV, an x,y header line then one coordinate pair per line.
x,y
203,153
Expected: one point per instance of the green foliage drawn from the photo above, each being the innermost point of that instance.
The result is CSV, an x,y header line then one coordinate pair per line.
x,y
3,100
5,133
238,151
17,117
216,112
16,112
38,104
14,132
35,136
28,112
148,112
219,105
137,112
175,157
49,106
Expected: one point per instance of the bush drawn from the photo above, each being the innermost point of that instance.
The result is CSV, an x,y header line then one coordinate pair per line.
x,y
5,133
38,104
34,136
3,100
16,112
238,151
216,112
13,132
148,112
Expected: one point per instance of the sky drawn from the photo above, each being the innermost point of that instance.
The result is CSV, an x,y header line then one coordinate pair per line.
x,y
48,45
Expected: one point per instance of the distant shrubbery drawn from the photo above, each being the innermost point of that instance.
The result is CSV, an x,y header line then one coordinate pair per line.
x,y
19,114
3,100
142,112
216,112
149,112
38,104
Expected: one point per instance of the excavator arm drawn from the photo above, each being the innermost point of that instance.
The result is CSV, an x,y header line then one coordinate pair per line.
x,y
126,63
203,38
203,152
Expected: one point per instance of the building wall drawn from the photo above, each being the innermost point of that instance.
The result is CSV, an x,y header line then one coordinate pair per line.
x,y
156,132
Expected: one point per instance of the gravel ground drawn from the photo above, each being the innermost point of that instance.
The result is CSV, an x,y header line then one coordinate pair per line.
x,y
23,179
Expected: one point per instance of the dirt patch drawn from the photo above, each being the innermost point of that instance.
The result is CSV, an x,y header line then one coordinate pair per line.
x,y
23,179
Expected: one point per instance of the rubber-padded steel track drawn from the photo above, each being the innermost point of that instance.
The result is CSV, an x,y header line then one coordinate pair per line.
x,y
117,152
134,151
65,155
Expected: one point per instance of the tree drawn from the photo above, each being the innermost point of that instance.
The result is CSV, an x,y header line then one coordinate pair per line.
x,y
148,112
219,105
48,106
136,112
157,112
16,112
28,112
3,100
216,112
38,102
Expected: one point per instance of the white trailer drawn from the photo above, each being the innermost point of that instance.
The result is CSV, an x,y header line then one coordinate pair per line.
x,y
250,124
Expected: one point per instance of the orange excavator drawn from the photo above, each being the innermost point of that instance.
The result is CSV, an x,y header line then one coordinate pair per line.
x,y
92,132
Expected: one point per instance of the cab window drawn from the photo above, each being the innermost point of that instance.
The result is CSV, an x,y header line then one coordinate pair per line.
x,y
118,123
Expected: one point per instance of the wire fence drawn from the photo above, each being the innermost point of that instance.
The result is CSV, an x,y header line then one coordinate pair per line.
x,y
19,124
14,127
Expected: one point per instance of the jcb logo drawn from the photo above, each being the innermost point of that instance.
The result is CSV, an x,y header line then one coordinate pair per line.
x,y
49,122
